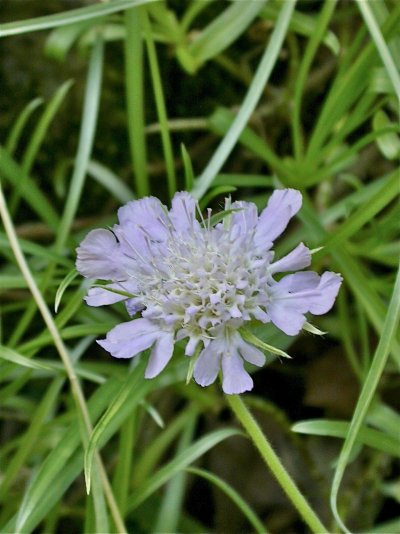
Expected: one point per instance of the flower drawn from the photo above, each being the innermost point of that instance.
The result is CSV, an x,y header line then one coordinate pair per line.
x,y
201,282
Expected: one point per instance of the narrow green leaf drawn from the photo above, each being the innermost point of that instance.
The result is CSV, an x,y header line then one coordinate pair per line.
x,y
303,24
59,469
69,16
308,327
110,181
251,338
249,103
135,99
339,429
180,461
36,140
13,356
388,143
61,39
86,138
30,437
31,193
19,125
171,509
380,44
63,286
233,495
187,165
367,393
224,30
160,104
216,192
386,194
134,388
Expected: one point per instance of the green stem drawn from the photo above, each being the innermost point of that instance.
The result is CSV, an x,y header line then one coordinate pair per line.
x,y
77,393
160,104
274,464
309,55
135,99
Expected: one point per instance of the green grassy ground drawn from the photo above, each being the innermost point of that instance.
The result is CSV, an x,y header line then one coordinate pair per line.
x,y
107,102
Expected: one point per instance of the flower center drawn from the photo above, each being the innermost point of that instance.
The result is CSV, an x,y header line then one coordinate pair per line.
x,y
205,280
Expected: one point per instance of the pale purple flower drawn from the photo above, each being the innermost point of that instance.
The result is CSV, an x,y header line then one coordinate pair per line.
x,y
198,282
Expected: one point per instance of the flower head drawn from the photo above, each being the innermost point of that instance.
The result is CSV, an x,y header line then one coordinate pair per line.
x,y
201,282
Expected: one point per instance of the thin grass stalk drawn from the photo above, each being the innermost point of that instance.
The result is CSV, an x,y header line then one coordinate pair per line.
x,y
133,47
312,47
274,464
367,394
85,144
76,390
250,101
160,103
381,46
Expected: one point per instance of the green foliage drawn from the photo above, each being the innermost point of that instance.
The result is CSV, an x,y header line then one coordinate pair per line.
x,y
218,98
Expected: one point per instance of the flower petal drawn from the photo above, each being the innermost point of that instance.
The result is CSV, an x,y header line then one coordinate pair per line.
x,y
235,378
246,218
285,315
97,296
128,339
299,293
160,355
329,287
299,258
250,353
134,305
183,213
282,206
146,214
99,256
207,365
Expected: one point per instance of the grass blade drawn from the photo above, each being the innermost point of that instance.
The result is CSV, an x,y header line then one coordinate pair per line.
x,y
250,101
180,461
367,394
380,44
135,99
233,495
67,17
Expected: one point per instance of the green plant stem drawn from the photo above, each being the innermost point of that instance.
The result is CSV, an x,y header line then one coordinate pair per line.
x,y
63,352
380,44
135,99
160,103
311,49
274,464
367,393
85,145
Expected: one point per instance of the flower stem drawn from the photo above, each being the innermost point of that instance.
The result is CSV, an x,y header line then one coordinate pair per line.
x,y
273,462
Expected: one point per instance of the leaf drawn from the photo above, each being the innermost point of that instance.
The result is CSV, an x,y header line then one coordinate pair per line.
x,y
388,143
249,103
224,30
63,286
308,327
215,192
180,461
13,356
110,181
19,125
69,16
339,429
61,39
187,165
233,495
251,338
303,25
